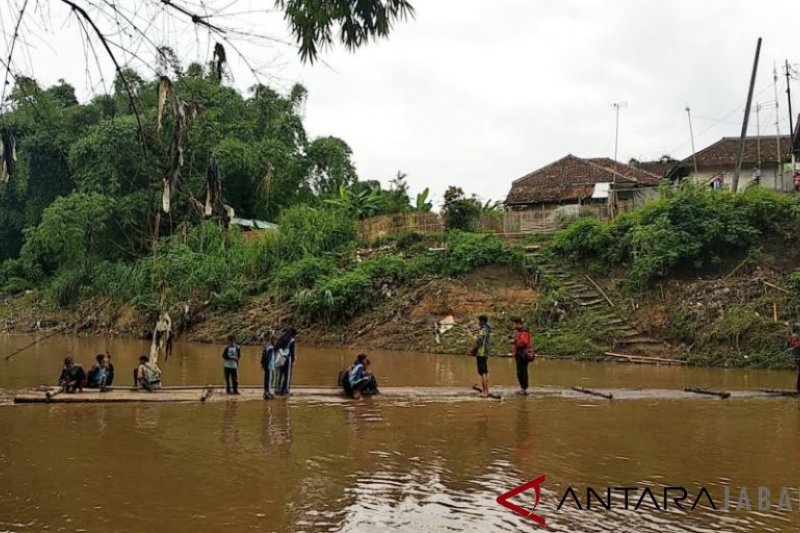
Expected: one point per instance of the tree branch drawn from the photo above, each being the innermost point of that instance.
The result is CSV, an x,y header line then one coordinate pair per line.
x,y
82,12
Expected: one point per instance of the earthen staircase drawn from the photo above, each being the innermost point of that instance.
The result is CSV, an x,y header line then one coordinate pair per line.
x,y
629,343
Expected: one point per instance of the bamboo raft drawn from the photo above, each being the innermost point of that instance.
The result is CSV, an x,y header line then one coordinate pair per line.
x,y
214,394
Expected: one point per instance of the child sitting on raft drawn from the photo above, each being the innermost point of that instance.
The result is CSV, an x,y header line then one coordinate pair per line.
x,y
73,376
101,375
358,380
148,375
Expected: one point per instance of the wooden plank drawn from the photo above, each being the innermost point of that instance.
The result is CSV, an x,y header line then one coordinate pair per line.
x,y
594,393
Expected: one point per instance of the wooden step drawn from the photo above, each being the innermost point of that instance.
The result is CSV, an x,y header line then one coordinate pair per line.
x,y
592,303
638,339
628,334
587,297
578,288
587,294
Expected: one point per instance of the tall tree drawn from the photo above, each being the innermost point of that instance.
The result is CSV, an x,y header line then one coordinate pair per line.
x,y
331,165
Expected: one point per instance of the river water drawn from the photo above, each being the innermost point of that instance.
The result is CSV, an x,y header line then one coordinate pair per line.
x,y
373,465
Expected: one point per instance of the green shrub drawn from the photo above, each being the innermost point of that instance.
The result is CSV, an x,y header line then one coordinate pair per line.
x,y
386,268
301,274
308,231
15,285
65,288
686,230
337,298
468,251
231,298
409,239
586,238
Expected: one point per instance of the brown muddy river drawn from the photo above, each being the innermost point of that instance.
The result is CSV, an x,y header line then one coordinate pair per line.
x,y
380,465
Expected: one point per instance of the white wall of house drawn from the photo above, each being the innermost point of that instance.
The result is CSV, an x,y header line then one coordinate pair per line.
x,y
770,178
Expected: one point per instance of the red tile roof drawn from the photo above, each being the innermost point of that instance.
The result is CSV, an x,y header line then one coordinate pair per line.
x,y
572,178
722,154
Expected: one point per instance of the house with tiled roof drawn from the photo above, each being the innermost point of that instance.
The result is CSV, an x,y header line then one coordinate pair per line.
x,y
767,158
575,186
661,167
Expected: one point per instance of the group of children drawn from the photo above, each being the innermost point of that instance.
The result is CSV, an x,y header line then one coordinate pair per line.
x,y
74,378
521,350
278,358
277,361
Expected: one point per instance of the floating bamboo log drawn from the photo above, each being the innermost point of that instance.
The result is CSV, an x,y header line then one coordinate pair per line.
x,y
723,395
417,395
646,360
779,392
594,393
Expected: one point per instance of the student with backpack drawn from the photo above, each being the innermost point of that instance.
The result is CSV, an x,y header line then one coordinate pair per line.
x,y
522,350
73,376
360,378
268,364
481,350
231,356
98,374
148,375
285,361
794,347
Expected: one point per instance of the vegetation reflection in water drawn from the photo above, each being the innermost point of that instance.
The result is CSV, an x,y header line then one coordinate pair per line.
x,y
409,466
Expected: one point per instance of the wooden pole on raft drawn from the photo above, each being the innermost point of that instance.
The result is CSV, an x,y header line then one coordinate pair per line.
x,y
723,395
594,393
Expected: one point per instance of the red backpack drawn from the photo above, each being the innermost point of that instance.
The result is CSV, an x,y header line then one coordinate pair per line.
x,y
794,341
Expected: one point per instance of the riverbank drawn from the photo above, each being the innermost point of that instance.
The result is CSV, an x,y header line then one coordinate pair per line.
x,y
734,320
405,319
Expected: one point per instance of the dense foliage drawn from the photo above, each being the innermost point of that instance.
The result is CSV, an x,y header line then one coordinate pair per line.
x,y
84,204
688,230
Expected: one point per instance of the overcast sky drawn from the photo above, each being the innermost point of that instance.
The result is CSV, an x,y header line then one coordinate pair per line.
x,y
477,93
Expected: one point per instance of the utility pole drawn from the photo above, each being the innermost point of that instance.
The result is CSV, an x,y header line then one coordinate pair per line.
x,y
739,156
789,96
617,106
778,155
691,136
758,135
791,117
613,196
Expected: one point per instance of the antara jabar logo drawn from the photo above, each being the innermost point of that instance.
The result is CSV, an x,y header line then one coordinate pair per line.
x,y
536,486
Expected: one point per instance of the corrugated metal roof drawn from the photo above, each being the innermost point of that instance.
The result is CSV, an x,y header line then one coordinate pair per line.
x,y
253,224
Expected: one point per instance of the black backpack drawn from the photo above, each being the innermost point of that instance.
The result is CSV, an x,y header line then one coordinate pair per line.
x,y
343,380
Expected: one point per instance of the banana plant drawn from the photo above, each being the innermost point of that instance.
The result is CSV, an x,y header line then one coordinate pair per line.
x,y
422,204
361,205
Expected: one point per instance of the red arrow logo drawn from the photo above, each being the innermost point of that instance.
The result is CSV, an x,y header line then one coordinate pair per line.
x,y
503,499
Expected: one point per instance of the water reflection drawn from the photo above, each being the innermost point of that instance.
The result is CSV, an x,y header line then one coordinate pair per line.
x,y
276,430
405,466
229,437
